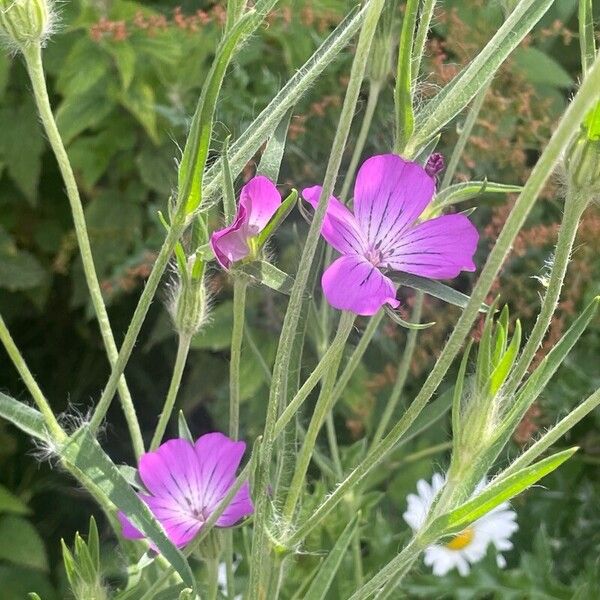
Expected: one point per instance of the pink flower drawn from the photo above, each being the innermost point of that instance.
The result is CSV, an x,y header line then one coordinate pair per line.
x,y
383,234
259,201
187,481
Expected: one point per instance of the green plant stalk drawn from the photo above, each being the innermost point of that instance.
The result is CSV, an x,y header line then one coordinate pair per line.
x,y
552,435
212,566
35,69
322,409
421,37
361,140
394,571
260,548
235,9
30,383
183,349
403,91
464,135
574,207
137,320
240,286
587,41
568,125
403,371
356,356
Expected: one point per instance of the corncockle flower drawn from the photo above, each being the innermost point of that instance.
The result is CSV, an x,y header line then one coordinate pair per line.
x,y
186,482
470,545
259,201
383,234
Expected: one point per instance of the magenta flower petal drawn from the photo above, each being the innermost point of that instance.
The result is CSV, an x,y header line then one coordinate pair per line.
x,y
219,458
340,228
440,248
187,482
352,283
389,195
261,200
230,244
240,507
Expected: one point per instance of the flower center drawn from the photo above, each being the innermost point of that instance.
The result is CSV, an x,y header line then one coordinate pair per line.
x,y
374,256
462,540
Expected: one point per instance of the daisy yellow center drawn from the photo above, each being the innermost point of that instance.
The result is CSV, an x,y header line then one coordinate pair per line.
x,y
462,540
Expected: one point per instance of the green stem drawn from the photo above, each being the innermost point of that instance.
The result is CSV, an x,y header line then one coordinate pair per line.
x,y
394,571
137,320
587,42
568,125
322,408
403,371
30,383
240,286
421,37
324,365
229,574
183,349
212,566
574,207
464,135
359,145
33,60
261,548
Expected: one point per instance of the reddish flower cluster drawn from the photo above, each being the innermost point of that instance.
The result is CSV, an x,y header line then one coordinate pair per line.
x,y
130,278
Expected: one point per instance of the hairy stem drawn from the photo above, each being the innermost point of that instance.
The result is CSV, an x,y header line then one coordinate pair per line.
x,y
237,335
567,127
403,371
261,549
30,383
183,349
33,61
421,37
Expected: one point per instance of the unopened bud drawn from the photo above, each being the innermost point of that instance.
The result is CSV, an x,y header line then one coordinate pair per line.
x,y
189,305
435,164
25,22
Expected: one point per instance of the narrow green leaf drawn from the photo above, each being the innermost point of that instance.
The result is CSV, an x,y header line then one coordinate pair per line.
x,y
24,417
278,218
83,452
461,192
183,429
502,370
454,97
394,316
405,118
587,41
497,493
69,562
269,275
458,392
246,146
433,288
94,544
320,585
270,161
229,204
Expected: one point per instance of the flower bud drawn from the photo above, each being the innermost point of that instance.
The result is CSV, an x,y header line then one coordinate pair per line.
x,y
189,305
25,22
583,157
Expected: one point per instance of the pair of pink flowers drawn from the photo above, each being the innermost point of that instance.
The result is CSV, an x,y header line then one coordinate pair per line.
x,y
383,234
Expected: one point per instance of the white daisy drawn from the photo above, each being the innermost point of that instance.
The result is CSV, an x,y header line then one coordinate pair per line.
x,y
470,545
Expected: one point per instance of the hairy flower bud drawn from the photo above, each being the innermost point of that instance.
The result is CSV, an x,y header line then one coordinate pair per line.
x,y
189,304
25,22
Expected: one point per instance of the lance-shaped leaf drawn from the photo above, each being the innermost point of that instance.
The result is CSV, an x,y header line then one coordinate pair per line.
x,y
433,288
395,316
24,417
460,192
320,585
267,274
85,455
246,146
277,219
193,161
495,494
229,205
270,161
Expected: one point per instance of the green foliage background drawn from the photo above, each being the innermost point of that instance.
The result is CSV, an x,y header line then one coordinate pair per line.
x,y
123,106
